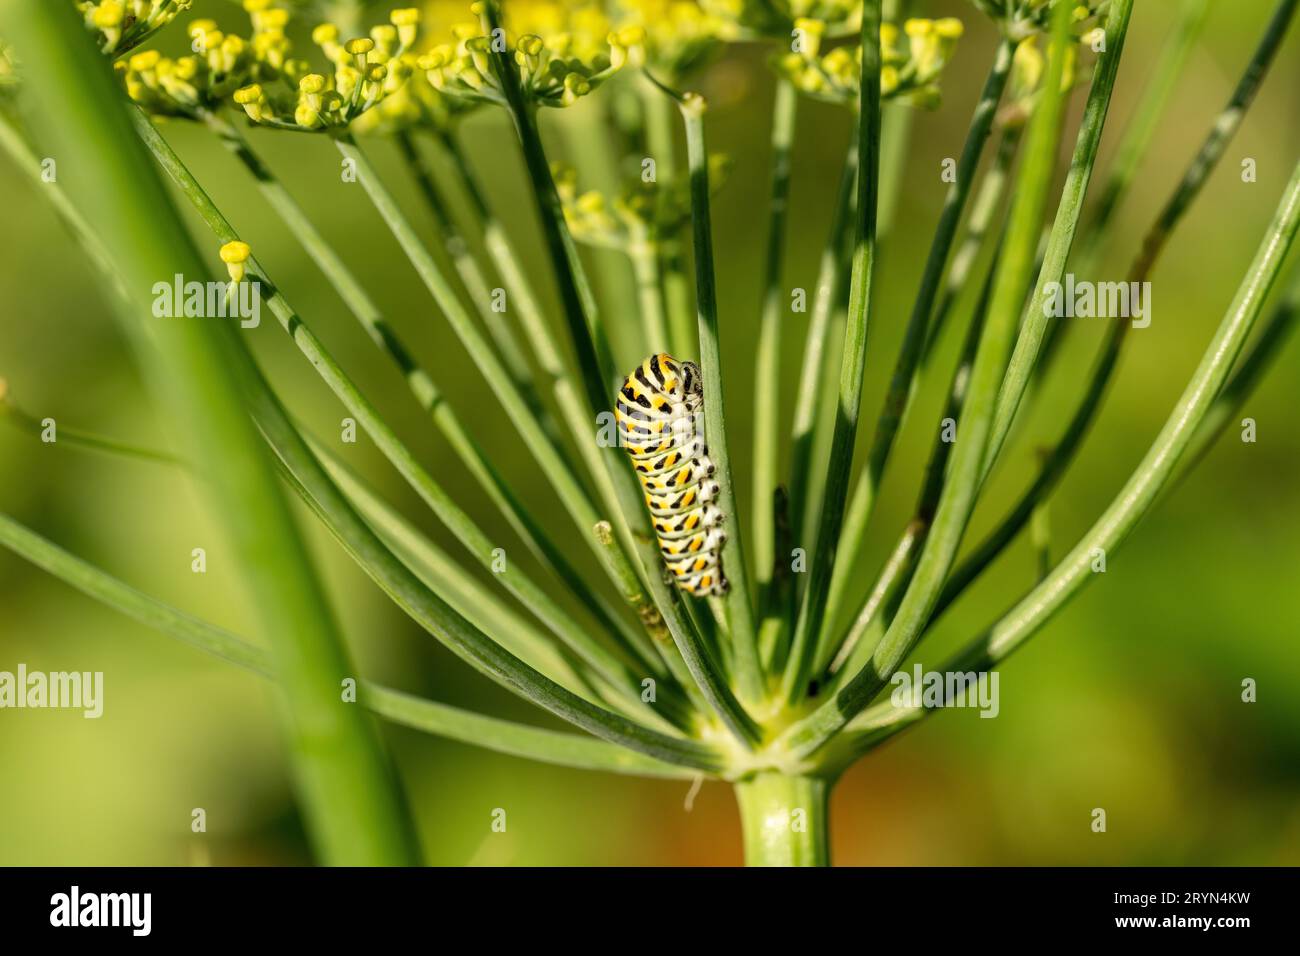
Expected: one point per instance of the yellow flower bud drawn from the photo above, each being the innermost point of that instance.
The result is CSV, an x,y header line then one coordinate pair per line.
x,y
143,62
407,21
235,254
312,83
109,14
359,46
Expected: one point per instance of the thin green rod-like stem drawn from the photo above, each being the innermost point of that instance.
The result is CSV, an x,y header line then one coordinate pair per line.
x,y
613,665
473,278
805,505
549,458
740,609
852,366
1171,214
902,383
868,627
1176,441
433,614
573,412
1064,226
434,567
353,808
1128,155
960,489
767,360
502,736
987,200
1140,131
643,251
426,392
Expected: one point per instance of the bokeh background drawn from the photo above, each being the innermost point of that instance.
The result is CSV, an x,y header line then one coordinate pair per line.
x,y
1129,700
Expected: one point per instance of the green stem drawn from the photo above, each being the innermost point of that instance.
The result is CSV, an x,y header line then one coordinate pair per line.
x,y
354,810
740,610
473,279
1157,237
1177,440
549,458
615,667
902,383
502,736
852,365
960,489
784,820
643,251
1064,226
767,398
805,486
426,391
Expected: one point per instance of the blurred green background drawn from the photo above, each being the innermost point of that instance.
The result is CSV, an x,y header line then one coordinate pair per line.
x,y
1129,700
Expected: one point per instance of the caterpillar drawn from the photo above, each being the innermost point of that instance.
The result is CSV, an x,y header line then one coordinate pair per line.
x,y
660,422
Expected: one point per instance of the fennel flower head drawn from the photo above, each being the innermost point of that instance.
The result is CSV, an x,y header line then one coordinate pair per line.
x,y
1019,19
561,52
122,25
641,211
363,71
912,60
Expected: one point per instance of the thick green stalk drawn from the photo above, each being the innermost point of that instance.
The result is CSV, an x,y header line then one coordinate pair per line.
x,y
784,820
353,808
852,366
427,392
902,383
740,610
767,372
962,483
1177,440
502,736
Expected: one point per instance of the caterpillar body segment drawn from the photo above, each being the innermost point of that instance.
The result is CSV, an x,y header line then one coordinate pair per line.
x,y
659,412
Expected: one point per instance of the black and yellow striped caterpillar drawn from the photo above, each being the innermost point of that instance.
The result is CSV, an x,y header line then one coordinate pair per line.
x,y
660,423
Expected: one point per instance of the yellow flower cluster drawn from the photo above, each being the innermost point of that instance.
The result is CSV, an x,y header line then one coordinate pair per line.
x,y
221,64
774,18
555,69
122,25
366,71
679,34
1020,19
911,62
643,211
